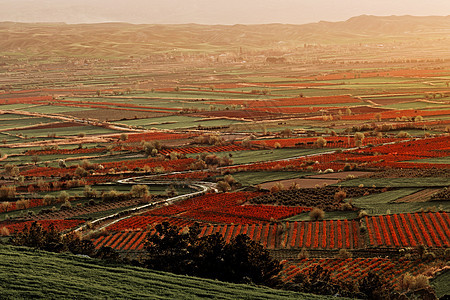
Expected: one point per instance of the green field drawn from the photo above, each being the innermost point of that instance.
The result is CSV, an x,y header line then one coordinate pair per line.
x,y
251,156
398,182
332,215
254,178
379,204
441,283
30,274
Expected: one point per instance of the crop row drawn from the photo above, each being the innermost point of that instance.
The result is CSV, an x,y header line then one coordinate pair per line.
x,y
332,142
143,222
298,101
401,230
65,151
355,269
409,230
155,136
170,165
287,235
25,100
323,198
214,208
190,150
398,114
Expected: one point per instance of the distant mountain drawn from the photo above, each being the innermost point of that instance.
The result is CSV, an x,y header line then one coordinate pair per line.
x,y
117,39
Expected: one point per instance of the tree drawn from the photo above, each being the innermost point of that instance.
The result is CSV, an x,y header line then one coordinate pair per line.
x,y
316,214
321,142
35,159
139,190
171,191
123,137
51,240
223,186
378,117
11,170
286,132
7,192
89,192
348,111
318,280
359,138
81,172
340,195
242,260
374,287
62,163
63,196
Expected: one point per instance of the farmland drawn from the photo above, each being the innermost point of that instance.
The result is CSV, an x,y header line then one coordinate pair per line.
x,y
327,155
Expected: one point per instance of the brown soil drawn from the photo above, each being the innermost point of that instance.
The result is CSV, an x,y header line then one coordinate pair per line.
x,y
303,183
420,196
340,175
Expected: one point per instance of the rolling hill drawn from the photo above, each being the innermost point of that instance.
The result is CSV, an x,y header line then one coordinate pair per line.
x,y
122,39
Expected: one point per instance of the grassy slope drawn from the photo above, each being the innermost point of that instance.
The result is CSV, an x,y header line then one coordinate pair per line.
x,y
26,274
440,283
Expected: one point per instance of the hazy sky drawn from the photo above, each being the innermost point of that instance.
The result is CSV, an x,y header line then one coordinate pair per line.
x,y
211,11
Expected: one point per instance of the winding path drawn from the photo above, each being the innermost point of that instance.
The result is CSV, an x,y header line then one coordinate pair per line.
x,y
201,187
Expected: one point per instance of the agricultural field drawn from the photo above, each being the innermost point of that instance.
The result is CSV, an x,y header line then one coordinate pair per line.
x,y
335,158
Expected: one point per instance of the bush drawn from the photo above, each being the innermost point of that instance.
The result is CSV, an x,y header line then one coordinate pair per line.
x,y
344,254
7,192
63,196
139,190
340,196
113,195
223,186
49,200
316,214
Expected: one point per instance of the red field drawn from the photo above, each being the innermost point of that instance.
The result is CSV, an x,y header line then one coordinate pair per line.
x,y
355,269
409,230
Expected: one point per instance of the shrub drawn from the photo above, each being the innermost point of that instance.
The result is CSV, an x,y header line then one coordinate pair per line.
x,y
321,142
7,192
139,190
223,186
49,200
89,192
340,196
63,196
316,214
344,254
113,195
303,254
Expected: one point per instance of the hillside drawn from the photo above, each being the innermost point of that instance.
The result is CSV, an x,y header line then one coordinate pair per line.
x,y
26,273
122,39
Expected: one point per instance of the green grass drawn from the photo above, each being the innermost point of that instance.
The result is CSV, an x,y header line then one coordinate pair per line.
x,y
31,274
398,182
378,204
67,131
441,284
177,122
332,215
413,105
54,109
254,178
22,122
245,157
436,160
